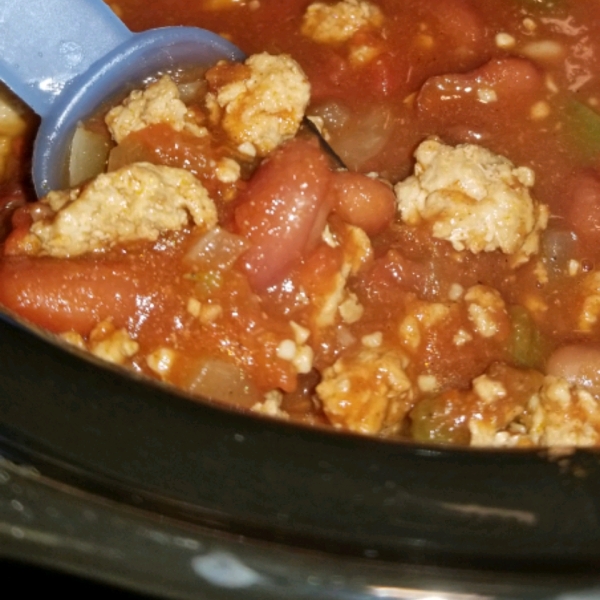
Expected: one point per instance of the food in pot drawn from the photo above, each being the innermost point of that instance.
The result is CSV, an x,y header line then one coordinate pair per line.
x,y
442,288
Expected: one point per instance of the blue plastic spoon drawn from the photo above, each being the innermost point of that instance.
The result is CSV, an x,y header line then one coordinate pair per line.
x,y
65,58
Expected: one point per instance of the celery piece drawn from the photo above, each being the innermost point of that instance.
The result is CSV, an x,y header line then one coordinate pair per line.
x,y
582,126
434,419
527,346
207,282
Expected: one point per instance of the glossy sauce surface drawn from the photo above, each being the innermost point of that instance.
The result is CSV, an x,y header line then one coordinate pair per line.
x,y
517,77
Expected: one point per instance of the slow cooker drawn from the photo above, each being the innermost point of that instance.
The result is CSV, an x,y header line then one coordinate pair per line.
x,y
106,476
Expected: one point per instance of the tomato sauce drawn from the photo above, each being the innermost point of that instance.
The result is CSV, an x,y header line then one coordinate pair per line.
x,y
317,286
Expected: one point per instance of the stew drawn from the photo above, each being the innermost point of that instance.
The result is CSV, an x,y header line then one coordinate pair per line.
x,y
443,287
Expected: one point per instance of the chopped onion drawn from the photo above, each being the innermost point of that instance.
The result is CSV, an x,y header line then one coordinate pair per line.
x,y
128,152
363,138
334,114
345,337
219,380
216,249
89,154
192,90
579,364
558,247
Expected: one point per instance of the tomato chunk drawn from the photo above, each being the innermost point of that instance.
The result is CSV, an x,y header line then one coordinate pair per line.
x,y
583,208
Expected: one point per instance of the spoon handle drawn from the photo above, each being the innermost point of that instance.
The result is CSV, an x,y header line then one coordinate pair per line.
x,y
45,44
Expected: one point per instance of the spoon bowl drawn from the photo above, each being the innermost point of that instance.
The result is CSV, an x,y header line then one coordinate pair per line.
x,y
65,59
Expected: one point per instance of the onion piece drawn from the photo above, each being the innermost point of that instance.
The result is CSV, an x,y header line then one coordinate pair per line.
x,y
334,114
558,247
359,139
219,380
577,363
128,152
216,249
192,90
88,156
363,138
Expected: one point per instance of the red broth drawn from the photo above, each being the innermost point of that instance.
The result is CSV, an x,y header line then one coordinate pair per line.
x,y
402,354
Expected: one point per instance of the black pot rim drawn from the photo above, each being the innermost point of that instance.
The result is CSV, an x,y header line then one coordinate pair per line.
x,y
98,428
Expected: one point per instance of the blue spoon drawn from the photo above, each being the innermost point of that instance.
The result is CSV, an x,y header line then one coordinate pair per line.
x,y
65,58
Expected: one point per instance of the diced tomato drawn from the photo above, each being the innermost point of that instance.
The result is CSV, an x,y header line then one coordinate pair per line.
x,y
388,73
461,24
161,144
583,209
329,82
390,274
283,210
224,73
316,275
